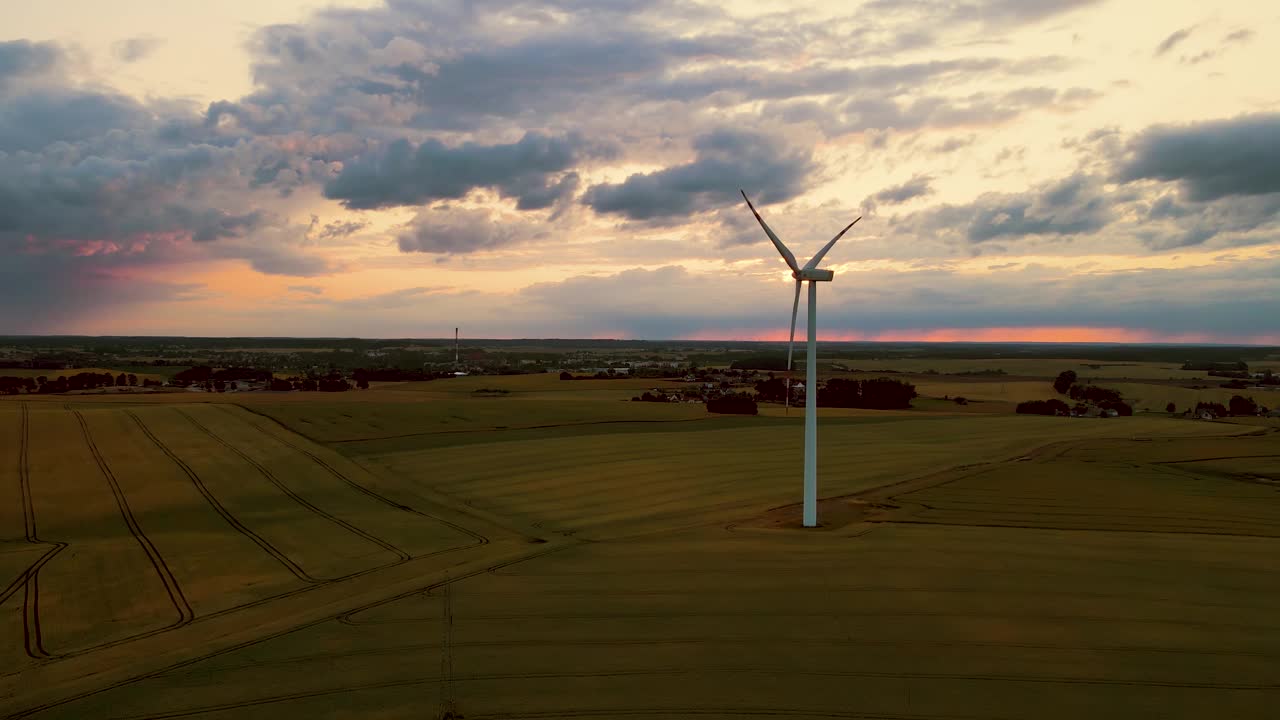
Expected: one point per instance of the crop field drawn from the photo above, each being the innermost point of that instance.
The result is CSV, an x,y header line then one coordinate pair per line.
x,y
424,550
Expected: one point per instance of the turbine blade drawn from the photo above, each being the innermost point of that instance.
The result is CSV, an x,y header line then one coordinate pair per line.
x,y
822,253
795,306
782,249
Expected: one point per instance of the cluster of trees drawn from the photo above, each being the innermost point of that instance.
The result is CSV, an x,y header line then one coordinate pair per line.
x,y
876,394
203,374
391,374
771,389
333,382
1052,406
763,361
650,397
1084,395
602,375
10,385
1212,367
1238,406
80,381
733,404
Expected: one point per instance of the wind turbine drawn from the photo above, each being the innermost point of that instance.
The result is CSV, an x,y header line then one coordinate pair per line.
x,y
812,274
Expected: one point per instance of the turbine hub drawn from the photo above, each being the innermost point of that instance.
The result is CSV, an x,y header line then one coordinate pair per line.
x,y
813,275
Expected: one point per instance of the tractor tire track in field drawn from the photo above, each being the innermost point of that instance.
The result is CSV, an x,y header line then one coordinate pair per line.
x,y
401,555
179,600
685,711
28,712
32,636
722,640
361,488
448,709
288,563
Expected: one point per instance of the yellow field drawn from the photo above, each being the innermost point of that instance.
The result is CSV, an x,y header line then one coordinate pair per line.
x,y
556,551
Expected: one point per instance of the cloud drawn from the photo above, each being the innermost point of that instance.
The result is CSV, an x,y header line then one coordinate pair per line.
x,y
1175,38
725,160
1232,299
1210,160
1239,36
918,186
456,231
339,230
308,289
404,174
20,58
136,48
990,13
404,297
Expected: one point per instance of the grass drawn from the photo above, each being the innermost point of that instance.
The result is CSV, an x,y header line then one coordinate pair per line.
x,y
558,551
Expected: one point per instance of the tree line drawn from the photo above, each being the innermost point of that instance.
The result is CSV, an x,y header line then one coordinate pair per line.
x,y
10,385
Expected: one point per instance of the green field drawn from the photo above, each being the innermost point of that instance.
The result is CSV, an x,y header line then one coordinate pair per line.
x,y
556,551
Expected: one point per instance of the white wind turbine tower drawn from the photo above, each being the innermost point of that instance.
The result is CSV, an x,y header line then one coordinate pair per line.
x,y
811,274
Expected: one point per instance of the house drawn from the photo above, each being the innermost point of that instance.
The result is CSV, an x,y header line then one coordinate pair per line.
x,y
1274,414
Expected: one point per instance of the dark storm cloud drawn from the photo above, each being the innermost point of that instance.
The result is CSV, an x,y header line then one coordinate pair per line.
x,y
33,121
402,174
23,57
1210,160
918,186
725,161
1173,40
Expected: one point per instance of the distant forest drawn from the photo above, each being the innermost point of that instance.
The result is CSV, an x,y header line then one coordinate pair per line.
x,y
701,352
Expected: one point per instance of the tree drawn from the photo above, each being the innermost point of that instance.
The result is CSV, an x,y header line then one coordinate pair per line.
x,y
133,379
771,390
122,380
733,404
1065,380
1217,409
234,385
566,375
877,394
1171,408
1243,406
363,383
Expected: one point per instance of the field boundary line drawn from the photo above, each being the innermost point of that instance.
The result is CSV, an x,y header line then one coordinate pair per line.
x,y
996,526
1034,679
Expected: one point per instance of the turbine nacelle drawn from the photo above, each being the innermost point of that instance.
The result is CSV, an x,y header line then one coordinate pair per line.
x,y
813,275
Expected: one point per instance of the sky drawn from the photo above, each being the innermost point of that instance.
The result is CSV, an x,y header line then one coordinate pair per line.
x,y
1025,170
